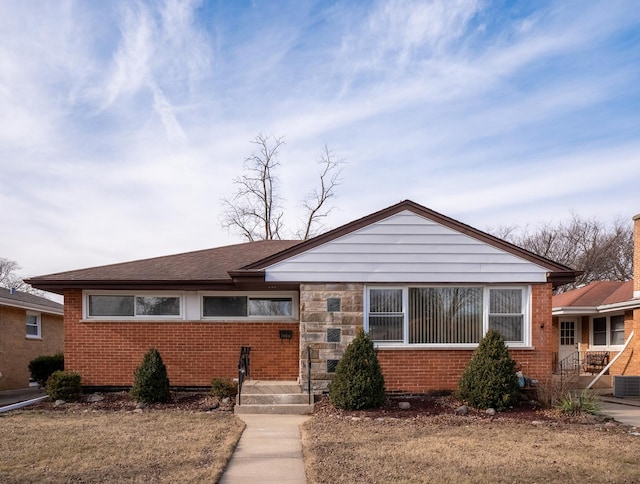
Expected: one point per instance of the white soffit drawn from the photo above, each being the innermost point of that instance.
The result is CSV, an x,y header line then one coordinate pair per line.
x,y
406,247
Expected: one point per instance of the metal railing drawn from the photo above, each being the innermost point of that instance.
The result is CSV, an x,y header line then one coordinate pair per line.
x,y
583,362
309,372
244,365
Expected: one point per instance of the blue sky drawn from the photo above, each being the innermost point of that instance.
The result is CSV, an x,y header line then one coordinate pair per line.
x,y
123,124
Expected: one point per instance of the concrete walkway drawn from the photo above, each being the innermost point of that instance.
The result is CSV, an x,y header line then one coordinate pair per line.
x,y
624,410
269,451
7,397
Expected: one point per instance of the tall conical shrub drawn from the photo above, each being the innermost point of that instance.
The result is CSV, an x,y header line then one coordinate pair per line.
x,y
490,380
358,382
151,383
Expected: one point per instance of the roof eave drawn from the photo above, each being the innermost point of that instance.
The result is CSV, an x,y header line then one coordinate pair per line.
x,y
31,306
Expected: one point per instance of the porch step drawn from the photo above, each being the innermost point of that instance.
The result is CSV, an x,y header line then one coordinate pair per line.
x,y
282,409
273,397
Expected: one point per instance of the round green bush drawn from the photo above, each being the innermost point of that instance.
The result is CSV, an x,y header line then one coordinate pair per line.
x,y
151,383
489,379
64,385
358,382
224,388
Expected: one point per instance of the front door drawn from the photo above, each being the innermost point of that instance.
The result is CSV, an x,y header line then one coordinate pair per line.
x,y
568,342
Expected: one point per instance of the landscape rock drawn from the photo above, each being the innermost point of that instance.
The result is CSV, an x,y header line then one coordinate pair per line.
x,y
58,403
536,422
404,405
95,397
462,410
491,412
226,400
610,425
140,405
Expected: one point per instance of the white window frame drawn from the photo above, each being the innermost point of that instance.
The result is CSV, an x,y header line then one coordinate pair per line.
x,y
294,305
526,312
608,345
38,324
134,294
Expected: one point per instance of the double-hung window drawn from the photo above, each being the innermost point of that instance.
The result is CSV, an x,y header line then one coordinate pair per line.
x,y
607,331
34,325
447,315
126,306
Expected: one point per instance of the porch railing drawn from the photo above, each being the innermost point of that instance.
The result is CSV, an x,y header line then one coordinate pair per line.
x,y
583,362
244,365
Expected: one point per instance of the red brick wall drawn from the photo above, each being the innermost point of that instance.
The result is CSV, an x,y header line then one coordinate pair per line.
x,y
427,370
107,353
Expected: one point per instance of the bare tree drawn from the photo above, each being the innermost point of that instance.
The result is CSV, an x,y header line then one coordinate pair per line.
x,y
315,202
602,251
9,279
256,208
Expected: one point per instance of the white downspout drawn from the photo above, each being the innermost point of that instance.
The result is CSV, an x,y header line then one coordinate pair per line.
x,y
612,361
15,406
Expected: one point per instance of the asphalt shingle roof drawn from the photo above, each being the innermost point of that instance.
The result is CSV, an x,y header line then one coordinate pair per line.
x,y
24,298
597,293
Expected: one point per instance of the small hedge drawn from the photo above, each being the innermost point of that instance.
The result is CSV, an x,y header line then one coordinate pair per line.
x,y
64,385
490,380
42,367
151,383
224,388
358,382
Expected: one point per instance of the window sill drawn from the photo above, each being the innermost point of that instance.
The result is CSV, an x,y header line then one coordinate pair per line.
x,y
34,337
442,347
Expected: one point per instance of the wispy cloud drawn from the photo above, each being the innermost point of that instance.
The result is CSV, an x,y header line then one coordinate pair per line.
x,y
122,124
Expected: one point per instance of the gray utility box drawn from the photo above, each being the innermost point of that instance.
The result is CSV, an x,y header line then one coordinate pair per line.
x,y
626,386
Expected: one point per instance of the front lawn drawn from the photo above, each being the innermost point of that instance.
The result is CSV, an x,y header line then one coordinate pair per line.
x,y
354,447
116,446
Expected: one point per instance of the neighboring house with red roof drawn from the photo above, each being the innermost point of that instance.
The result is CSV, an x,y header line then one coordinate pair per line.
x,y
595,321
426,287
30,326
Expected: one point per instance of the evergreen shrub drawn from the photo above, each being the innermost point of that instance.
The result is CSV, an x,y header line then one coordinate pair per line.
x,y
358,382
151,383
64,385
489,379
42,367
224,388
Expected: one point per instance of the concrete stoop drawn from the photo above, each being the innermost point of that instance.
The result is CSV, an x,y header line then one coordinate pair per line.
x,y
276,398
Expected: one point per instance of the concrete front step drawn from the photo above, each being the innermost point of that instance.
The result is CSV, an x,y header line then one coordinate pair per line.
x,y
273,397
283,409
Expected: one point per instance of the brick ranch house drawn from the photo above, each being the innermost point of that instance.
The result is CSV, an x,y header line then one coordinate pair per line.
x,y
595,322
30,326
425,286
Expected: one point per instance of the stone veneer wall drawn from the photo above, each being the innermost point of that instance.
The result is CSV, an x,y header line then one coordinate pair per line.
x,y
316,319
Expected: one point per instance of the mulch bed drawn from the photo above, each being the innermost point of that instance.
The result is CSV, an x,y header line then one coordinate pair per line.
x,y
446,405
122,401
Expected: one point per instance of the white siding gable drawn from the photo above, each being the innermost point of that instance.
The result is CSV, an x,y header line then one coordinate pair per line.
x,y
406,247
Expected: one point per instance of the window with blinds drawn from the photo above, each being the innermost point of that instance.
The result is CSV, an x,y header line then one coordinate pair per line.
x,y
447,315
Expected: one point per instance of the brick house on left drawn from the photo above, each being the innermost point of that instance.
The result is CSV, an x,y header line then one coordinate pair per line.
x,y
30,326
425,286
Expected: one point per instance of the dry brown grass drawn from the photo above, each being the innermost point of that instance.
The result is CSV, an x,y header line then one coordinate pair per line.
x,y
458,449
151,446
